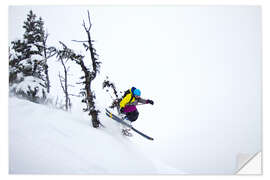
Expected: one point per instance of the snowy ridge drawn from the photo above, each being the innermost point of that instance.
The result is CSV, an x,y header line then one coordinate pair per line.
x,y
48,141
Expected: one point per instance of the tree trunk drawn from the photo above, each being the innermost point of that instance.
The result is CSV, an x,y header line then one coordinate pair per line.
x,y
66,90
89,76
46,67
65,86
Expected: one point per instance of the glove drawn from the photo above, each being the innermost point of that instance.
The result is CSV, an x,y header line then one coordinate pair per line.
x,y
150,102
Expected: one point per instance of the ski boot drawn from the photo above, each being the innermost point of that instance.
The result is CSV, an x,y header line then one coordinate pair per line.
x,y
125,132
125,129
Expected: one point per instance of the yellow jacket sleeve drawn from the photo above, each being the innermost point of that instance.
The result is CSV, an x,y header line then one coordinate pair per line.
x,y
125,100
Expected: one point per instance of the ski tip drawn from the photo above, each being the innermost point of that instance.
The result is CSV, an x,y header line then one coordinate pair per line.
x,y
109,114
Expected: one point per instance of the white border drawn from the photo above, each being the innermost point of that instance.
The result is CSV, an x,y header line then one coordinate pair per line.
x,y
4,74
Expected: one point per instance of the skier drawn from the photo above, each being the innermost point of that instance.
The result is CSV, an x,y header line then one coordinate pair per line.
x,y
132,97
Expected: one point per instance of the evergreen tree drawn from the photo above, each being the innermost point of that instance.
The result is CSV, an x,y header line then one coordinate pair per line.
x,y
27,63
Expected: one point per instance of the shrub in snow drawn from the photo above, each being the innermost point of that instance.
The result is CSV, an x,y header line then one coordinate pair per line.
x,y
31,88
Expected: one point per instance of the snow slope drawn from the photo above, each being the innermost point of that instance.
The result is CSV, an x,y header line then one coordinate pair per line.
x,y
43,140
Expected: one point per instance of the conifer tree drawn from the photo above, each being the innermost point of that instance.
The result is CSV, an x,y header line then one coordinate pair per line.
x,y
27,62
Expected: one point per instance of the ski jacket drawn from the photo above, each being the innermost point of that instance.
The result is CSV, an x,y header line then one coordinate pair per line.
x,y
129,99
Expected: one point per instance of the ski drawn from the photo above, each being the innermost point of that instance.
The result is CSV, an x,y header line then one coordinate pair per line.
x,y
114,117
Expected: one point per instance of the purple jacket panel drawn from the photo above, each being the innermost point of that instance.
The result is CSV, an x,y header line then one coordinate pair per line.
x,y
129,108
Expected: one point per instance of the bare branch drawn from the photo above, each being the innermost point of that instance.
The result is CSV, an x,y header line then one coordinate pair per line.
x,y
79,41
84,26
90,25
74,95
79,82
61,82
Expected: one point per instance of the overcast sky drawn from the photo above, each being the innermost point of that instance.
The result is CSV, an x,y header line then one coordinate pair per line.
x,y
201,66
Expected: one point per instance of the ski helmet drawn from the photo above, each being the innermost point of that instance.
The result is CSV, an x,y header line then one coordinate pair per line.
x,y
137,92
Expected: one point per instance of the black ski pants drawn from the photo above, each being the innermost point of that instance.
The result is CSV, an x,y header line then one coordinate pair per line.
x,y
133,116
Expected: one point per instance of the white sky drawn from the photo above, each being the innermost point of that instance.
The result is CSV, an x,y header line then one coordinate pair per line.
x,y
201,66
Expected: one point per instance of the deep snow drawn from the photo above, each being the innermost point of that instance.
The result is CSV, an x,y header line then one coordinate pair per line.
x,y
43,140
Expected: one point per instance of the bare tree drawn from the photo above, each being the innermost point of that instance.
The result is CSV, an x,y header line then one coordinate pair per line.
x,y
89,75
48,52
63,56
